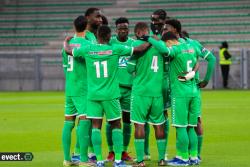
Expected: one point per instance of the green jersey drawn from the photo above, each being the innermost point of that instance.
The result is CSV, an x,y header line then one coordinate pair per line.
x,y
102,66
125,78
183,59
90,36
148,71
75,70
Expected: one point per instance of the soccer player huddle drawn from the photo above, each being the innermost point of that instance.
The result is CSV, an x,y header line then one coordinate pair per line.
x,y
132,81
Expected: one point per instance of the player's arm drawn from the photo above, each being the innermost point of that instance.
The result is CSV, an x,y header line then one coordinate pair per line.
x,y
190,74
139,51
64,61
68,49
159,45
211,61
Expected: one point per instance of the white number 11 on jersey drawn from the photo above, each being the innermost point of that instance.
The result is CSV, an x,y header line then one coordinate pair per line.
x,y
105,69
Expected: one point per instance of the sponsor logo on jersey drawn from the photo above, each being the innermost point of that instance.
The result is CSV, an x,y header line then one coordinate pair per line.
x,y
107,52
123,61
188,51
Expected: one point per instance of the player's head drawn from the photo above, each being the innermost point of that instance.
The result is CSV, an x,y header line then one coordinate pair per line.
x,y
122,28
141,28
104,33
94,17
224,44
80,24
172,25
170,38
184,34
104,20
157,20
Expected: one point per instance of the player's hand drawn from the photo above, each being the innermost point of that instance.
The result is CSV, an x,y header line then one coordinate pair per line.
x,y
144,38
187,77
202,84
66,40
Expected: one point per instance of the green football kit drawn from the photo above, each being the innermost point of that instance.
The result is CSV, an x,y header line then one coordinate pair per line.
x,y
125,78
146,100
103,85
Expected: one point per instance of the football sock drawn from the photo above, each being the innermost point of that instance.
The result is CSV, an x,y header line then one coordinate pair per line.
x,y
77,146
126,135
146,145
66,138
193,142
91,149
97,142
200,140
118,143
139,148
109,137
182,143
166,133
161,145
83,133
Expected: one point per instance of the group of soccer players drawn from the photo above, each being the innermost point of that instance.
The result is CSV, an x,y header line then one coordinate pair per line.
x,y
135,80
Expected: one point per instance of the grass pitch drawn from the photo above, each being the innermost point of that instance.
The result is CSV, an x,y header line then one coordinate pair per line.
x,y
33,121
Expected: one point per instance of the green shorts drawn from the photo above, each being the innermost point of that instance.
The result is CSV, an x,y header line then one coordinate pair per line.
x,y
147,109
75,105
111,108
184,111
125,98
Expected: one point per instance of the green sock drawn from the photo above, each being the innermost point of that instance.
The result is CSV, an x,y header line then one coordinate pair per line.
x,y
83,133
97,143
126,135
91,149
193,142
139,143
77,146
182,143
109,136
146,145
200,140
166,129
118,143
66,138
161,145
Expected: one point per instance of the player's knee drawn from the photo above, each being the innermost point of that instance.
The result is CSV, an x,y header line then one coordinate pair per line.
x,y
139,131
116,124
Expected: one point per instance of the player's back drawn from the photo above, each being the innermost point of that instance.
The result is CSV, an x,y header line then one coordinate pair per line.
x,y
148,73
184,61
102,66
75,70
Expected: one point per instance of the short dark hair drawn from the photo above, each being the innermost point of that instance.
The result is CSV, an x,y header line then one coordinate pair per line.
x,y
141,26
89,11
121,20
80,23
175,23
104,32
104,20
169,36
162,13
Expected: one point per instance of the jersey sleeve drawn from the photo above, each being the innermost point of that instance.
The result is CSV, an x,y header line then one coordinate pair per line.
x,y
208,56
159,45
123,50
64,61
80,51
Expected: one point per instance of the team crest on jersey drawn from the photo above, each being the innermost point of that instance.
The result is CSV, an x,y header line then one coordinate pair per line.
x,y
123,61
107,52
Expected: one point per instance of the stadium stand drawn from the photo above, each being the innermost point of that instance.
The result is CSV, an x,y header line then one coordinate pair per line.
x,y
43,24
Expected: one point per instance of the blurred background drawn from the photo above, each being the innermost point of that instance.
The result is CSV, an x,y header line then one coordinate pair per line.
x,y
32,33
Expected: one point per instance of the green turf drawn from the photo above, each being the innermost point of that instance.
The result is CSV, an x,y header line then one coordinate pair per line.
x,y
33,121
